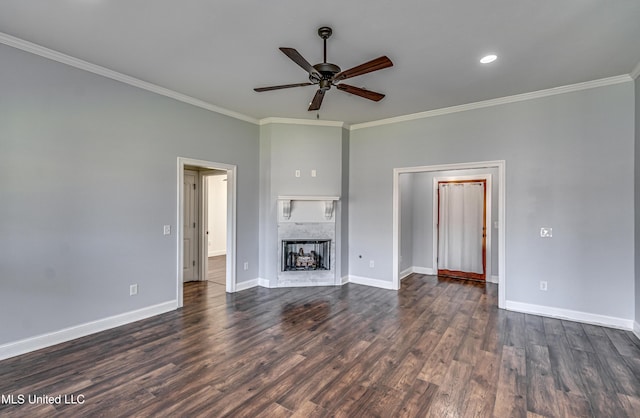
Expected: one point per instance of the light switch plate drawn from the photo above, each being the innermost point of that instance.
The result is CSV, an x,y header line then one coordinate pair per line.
x,y
167,230
546,232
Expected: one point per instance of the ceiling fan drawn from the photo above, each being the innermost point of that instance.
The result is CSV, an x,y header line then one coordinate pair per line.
x,y
326,74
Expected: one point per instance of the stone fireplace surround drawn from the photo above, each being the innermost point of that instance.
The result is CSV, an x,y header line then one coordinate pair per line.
x,y
307,218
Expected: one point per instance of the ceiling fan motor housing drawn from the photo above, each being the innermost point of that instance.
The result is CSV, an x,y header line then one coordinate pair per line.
x,y
327,71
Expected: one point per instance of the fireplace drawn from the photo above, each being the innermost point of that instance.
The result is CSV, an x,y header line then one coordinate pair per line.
x,y
306,255
307,250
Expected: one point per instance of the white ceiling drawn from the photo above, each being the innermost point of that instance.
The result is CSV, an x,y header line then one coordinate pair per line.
x,y
218,51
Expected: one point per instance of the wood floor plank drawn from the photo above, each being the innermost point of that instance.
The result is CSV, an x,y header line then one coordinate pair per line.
x,y
540,386
511,395
449,401
437,347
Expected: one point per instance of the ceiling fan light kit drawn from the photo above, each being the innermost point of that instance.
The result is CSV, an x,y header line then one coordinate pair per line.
x,y
325,74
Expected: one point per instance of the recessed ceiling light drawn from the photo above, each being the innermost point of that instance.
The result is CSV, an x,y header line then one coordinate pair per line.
x,y
488,59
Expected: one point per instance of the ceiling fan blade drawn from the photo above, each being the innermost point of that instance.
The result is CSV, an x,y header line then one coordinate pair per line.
x,y
284,86
299,59
367,94
373,65
317,100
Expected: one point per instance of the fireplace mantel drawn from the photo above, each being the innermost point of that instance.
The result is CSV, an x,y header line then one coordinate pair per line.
x,y
328,204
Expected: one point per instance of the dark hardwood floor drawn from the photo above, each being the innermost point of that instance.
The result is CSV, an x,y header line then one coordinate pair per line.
x,y
217,270
439,347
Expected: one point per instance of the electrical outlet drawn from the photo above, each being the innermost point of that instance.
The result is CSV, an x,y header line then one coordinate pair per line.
x,y
546,232
133,289
246,265
167,230
313,173
543,285
371,264
297,173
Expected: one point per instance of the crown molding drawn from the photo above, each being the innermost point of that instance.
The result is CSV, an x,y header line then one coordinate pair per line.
x,y
313,122
635,72
36,49
499,101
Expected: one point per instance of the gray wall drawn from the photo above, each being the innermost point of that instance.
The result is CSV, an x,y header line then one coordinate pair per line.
x,y
407,224
87,179
569,165
637,202
344,207
285,148
417,216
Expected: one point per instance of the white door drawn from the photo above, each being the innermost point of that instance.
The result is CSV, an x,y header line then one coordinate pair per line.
x,y
190,226
461,229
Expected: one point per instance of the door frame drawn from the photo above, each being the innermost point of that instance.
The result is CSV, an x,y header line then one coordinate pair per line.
x,y
487,217
501,166
231,221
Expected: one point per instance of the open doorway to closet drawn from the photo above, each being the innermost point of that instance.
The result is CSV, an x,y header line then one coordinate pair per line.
x,y
214,210
415,219
462,206
206,225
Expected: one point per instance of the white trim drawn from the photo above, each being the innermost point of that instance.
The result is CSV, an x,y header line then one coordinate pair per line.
x,y
309,198
488,216
406,273
345,280
67,334
36,49
312,122
636,329
423,270
635,73
578,316
418,270
51,54
248,285
366,281
501,166
217,253
498,101
264,283
493,279
231,222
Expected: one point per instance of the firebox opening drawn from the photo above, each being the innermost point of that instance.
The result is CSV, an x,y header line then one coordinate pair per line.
x,y
305,255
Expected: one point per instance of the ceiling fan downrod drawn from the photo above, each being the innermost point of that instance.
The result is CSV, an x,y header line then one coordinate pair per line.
x,y
325,32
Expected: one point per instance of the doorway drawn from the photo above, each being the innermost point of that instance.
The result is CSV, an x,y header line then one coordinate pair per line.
x,y
185,222
499,224
461,227
214,210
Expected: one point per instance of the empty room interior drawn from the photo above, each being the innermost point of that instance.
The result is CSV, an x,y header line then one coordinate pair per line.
x,y
289,209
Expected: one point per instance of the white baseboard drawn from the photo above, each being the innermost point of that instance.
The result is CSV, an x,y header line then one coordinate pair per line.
x,y
67,334
493,279
585,317
406,273
423,270
383,284
263,282
636,329
217,253
345,280
248,284
415,269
